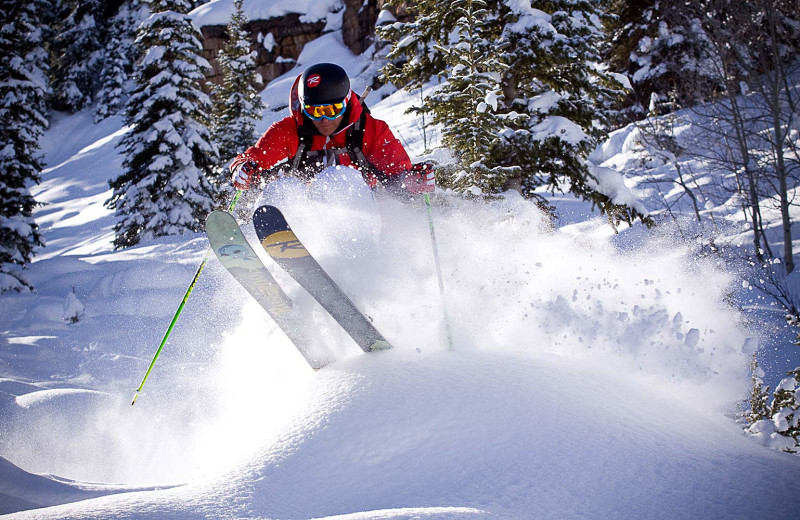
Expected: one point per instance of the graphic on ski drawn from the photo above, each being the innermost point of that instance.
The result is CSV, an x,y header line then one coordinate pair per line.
x,y
236,255
289,253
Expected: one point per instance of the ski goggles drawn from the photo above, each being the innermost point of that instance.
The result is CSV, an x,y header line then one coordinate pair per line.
x,y
326,111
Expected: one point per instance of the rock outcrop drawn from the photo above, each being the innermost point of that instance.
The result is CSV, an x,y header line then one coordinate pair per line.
x,y
279,41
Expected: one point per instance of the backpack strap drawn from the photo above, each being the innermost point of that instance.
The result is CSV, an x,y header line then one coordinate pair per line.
x,y
299,156
355,144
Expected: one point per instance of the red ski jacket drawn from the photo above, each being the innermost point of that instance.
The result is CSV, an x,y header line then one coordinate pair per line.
x,y
383,152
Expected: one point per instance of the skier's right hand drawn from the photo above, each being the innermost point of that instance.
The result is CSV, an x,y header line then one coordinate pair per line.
x,y
245,175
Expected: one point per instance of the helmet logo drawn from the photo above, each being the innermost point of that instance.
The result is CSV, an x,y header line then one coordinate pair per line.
x,y
313,80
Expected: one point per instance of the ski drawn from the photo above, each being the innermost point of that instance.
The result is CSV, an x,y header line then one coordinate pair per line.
x,y
241,261
285,248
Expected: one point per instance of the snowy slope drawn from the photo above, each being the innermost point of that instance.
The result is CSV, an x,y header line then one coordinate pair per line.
x,y
593,376
480,435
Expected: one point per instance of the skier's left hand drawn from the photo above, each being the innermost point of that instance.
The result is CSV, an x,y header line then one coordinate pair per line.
x,y
420,179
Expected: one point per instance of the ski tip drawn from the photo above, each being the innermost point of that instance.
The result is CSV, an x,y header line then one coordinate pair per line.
x,y
268,220
218,216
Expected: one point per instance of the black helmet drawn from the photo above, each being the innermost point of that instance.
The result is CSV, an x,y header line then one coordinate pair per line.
x,y
323,83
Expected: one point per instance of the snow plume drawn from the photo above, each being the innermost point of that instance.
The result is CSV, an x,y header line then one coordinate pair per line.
x,y
515,284
96,436
74,419
512,282
229,380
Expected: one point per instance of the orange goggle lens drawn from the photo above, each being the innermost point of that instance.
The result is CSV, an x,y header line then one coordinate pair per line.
x,y
327,111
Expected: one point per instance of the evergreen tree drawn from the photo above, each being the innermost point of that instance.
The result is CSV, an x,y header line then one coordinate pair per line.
x,y
759,394
778,427
76,56
468,104
164,188
663,46
113,78
556,99
414,57
784,408
556,81
119,57
417,52
237,104
23,87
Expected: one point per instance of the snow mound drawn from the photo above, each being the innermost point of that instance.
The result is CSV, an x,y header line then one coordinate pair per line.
x,y
481,435
36,398
22,490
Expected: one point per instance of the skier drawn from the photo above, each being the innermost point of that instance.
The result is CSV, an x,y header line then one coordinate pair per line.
x,y
330,126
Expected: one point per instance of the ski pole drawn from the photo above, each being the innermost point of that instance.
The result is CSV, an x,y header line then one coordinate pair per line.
x,y
439,272
177,314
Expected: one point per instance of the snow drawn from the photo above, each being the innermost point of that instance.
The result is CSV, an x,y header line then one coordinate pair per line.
x,y
269,42
36,398
544,102
20,490
477,435
218,12
593,376
385,17
611,183
560,128
529,18
766,431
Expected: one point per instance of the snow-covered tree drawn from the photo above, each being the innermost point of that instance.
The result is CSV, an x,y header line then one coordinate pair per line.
x,y
759,394
416,53
23,87
554,98
555,79
118,59
414,56
237,104
467,105
77,56
165,188
663,46
113,78
786,408
74,309
781,429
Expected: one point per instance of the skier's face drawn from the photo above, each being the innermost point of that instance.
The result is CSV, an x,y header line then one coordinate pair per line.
x,y
328,126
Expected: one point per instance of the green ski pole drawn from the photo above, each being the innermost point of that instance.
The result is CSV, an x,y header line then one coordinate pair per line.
x,y
439,273
180,307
